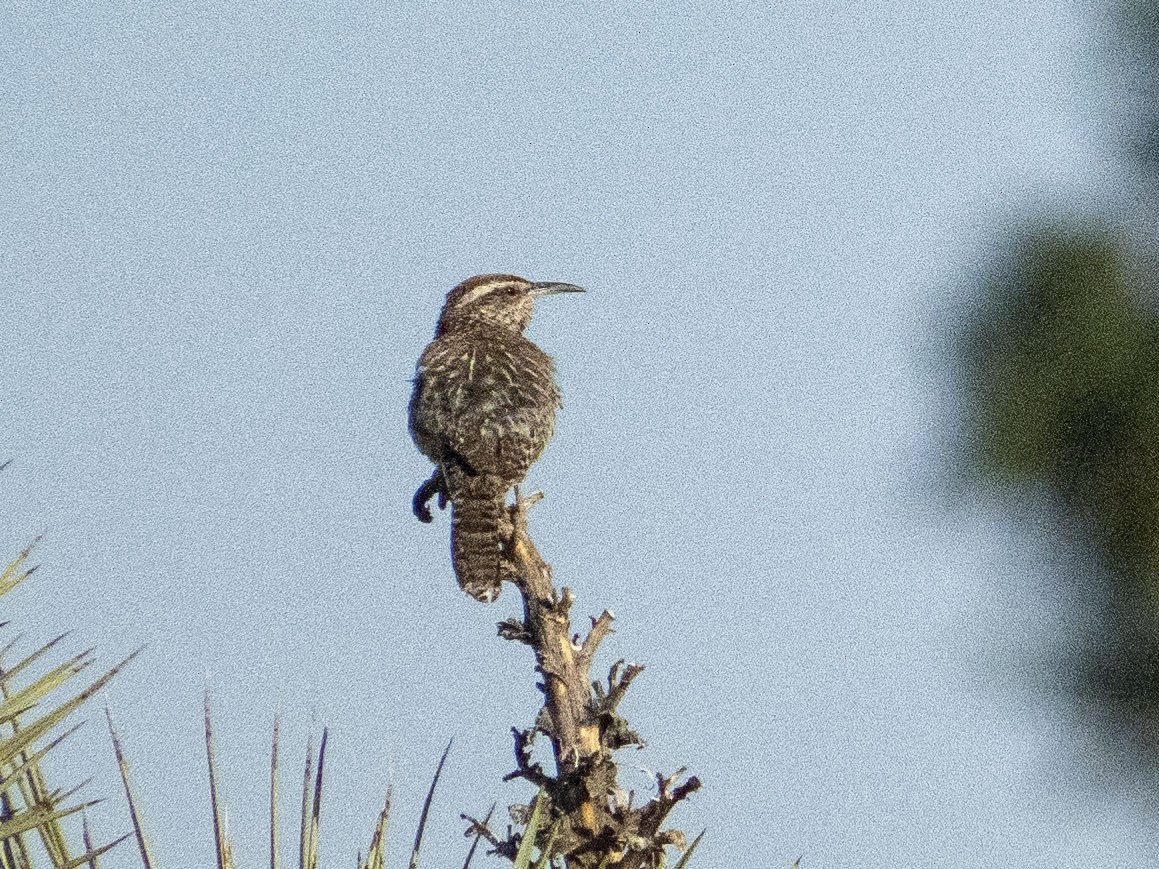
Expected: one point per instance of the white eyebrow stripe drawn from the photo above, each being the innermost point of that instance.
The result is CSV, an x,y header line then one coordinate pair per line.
x,y
481,290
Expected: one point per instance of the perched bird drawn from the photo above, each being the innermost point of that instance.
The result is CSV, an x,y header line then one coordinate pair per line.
x,y
483,409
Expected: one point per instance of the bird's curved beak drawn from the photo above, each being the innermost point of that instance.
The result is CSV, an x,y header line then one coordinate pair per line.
x,y
550,288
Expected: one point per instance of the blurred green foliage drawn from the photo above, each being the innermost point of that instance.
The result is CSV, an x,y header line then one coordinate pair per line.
x,y
1060,360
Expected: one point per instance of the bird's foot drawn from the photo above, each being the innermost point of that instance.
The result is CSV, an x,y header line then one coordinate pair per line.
x,y
436,485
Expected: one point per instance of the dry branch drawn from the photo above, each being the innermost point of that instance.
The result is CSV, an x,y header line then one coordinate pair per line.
x,y
593,820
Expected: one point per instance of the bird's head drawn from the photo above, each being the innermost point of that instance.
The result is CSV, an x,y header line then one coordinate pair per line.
x,y
504,301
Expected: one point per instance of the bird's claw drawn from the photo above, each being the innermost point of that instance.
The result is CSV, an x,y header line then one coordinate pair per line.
x,y
436,485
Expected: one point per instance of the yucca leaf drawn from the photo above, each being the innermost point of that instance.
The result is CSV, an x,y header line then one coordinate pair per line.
x,y
220,833
34,791
91,854
687,855
15,851
312,809
27,803
274,849
7,647
15,573
28,734
130,796
316,813
37,816
14,809
13,775
376,853
305,854
527,846
58,795
545,857
18,702
87,838
414,854
12,672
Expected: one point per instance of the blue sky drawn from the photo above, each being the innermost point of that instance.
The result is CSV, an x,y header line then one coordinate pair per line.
x,y
227,230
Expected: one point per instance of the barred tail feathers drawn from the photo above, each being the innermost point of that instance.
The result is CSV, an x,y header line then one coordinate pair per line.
x,y
477,505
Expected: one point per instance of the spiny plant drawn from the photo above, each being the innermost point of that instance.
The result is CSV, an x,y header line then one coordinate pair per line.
x,y
310,817
32,812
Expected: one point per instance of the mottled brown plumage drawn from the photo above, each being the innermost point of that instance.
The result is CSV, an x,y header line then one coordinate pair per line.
x,y
482,410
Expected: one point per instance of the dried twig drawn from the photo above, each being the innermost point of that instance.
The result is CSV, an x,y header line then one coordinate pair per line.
x,y
595,822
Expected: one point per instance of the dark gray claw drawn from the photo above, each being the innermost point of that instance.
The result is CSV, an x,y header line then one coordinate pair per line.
x,y
436,485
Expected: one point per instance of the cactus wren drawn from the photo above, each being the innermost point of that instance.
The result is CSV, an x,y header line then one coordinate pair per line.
x,y
482,410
